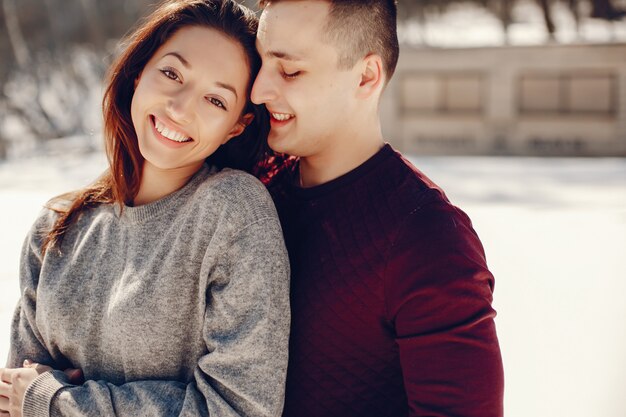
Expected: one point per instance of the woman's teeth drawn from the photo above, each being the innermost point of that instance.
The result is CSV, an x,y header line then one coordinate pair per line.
x,y
282,116
170,134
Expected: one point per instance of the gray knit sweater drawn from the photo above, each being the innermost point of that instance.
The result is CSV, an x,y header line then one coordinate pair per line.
x,y
177,307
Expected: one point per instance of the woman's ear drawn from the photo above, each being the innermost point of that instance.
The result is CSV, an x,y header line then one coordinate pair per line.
x,y
239,127
137,78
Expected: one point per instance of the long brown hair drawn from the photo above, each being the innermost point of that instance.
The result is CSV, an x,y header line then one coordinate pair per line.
x,y
120,183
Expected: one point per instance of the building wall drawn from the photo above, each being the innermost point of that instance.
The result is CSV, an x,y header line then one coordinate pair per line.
x,y
536,100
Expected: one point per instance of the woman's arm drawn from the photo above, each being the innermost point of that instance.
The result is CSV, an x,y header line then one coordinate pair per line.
x,y
246,333
26,341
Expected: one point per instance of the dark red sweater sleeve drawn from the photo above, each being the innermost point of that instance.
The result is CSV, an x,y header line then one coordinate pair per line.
x,y
439,294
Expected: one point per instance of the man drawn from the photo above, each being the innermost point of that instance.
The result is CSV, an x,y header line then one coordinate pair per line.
x,y
391,296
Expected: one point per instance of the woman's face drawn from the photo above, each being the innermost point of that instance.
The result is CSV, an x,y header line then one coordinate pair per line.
x,y
189,97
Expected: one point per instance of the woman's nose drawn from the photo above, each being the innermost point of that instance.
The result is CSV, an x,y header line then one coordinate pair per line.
x,y
180,106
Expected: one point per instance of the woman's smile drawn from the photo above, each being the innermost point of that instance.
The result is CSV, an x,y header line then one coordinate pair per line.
x,y
170,133
168,136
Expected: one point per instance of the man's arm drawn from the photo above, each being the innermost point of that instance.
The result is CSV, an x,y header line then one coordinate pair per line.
x,y
439,293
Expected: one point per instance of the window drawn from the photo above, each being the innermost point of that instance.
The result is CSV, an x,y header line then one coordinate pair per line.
x,y
442,93
568,93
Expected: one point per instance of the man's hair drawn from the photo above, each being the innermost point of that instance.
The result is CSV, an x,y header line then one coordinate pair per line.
x,y
362,27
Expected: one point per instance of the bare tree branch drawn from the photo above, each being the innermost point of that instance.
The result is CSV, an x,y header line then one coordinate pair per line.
x,y
20,49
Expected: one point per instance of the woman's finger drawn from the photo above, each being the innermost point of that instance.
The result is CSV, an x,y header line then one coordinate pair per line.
x,y
5,375
5,389
4,403
37,366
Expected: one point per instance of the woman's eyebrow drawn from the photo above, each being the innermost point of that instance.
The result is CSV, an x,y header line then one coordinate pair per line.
x,y
185,63
227,87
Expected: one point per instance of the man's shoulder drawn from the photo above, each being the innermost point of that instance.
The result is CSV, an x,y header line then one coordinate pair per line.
x,y
406,186
420,205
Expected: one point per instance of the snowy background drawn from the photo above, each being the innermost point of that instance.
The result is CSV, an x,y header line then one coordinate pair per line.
x,y
555,235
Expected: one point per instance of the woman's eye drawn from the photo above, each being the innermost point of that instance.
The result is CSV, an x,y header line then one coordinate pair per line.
x,y
291,76
217,102
170,74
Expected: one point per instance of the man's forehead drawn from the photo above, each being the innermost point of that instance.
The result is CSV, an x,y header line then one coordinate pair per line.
x,y
306,18
290,29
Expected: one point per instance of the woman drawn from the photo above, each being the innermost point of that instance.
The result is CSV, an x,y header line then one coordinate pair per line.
x,y
165,282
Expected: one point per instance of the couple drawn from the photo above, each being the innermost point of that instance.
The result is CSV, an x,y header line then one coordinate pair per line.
x,y
163,288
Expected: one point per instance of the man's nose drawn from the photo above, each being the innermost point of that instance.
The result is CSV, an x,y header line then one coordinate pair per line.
x,y
263,89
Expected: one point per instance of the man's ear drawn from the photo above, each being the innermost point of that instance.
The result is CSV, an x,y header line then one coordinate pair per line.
x,y
372,76
239,127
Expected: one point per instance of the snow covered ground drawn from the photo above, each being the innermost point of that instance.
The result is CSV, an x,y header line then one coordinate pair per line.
x,y
555,236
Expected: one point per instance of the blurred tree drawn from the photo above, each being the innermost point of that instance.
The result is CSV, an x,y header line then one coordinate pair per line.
x,y
606,9
21,55
14,32
54,52
94,22
47,73
419,10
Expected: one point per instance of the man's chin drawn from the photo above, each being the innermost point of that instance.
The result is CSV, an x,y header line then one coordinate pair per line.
x,y
279,144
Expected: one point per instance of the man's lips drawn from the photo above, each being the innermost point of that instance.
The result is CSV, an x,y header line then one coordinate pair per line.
x,y
280,119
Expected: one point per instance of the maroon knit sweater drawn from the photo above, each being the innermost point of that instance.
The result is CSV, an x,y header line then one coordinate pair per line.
x,y
390,297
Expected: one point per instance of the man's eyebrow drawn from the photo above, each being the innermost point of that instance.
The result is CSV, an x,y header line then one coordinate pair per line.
x,y
283,55
180,58
228,87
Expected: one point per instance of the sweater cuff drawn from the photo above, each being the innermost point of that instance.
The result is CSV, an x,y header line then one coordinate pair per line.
x,y
41,391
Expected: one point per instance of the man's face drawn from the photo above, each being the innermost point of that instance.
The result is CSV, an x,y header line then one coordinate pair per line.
x,y
309,98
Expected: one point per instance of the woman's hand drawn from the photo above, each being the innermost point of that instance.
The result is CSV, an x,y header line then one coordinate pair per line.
x,y
13,385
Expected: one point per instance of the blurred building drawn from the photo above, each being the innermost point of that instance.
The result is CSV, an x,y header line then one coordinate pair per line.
x,y
530,100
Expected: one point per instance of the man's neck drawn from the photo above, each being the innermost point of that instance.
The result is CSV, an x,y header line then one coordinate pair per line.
x,y
343,157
